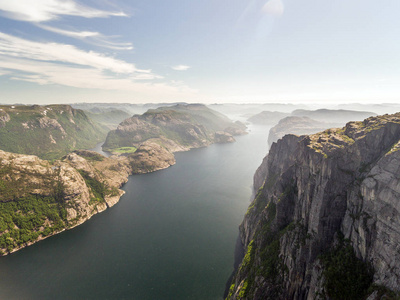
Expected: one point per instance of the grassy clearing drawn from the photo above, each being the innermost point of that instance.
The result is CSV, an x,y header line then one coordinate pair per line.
x,y
124,150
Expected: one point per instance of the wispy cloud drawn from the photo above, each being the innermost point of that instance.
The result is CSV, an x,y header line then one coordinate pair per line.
x,y
78,76
47,10
180,68
44,11
47,63
274,8
92,37
70,33
53,63
18,47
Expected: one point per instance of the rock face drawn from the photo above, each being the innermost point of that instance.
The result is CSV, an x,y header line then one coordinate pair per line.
x,y
325,221
150,157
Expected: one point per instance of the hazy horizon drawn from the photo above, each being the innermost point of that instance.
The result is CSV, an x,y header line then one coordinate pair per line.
x,y
258,51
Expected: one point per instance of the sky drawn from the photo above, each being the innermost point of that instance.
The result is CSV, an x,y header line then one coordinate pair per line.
x,y
236,51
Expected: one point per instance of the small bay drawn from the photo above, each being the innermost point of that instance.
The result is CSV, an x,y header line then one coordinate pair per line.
x,y
171,236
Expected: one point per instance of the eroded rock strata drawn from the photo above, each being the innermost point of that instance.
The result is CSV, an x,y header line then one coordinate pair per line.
x,y
325,220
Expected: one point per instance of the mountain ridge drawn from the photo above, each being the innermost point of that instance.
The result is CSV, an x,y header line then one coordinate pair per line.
x,y
49,131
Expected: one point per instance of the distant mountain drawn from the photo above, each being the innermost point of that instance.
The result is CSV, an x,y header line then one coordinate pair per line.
x,y
47,131
381,108
177,128
331,115
298,126
108,117
337,116
268,117
244,111
129,108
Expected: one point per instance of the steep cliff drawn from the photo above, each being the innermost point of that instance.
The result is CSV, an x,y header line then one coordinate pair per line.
x,y
47,131
325,221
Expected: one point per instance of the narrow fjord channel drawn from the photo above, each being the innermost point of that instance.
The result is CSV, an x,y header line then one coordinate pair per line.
x,y
171,236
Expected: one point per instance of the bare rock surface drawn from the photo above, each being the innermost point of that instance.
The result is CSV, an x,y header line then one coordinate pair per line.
x,y
314,193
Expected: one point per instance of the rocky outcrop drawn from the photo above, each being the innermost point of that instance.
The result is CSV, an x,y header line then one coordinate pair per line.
x,y
324,223
46,122
39,199
4,118
150,157
223,137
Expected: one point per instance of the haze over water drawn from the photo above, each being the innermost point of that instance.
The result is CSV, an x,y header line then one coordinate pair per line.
x,y
171,236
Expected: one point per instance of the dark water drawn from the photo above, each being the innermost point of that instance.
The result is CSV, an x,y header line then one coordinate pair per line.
x,y
171,236
98,148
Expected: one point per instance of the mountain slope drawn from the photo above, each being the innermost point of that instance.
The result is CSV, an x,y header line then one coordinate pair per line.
x,y
47,131
177,128
325,221
39,198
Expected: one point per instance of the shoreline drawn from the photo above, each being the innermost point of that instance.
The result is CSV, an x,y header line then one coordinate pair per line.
x,y
107,204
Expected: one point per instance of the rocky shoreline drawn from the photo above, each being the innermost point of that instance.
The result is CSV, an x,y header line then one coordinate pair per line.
x,y
90,184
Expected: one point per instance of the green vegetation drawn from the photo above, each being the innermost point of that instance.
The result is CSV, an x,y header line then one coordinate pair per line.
x,y
244,289
231,291
383,292
99,189
342,133
124,150
49,132
346,276
26,219
248,258
258,204
90,155
24,216
265,245
187,125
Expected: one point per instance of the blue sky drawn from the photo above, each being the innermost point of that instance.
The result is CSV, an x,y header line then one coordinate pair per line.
x,y
54,51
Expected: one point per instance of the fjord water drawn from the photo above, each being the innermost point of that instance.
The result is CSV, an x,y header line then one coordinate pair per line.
x,y
171,236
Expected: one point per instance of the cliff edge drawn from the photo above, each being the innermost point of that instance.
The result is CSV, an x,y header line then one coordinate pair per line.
x,y
325,220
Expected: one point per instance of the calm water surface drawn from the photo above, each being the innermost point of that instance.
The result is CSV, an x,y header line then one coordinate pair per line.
x,y
171,236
